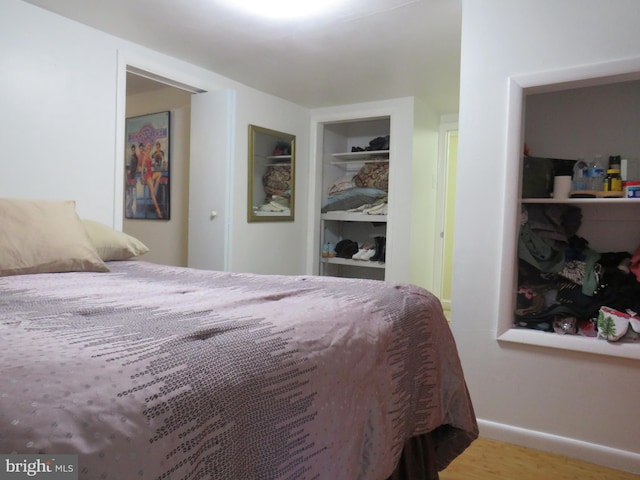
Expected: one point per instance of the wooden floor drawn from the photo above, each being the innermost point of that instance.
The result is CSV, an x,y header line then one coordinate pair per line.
x,y
490,460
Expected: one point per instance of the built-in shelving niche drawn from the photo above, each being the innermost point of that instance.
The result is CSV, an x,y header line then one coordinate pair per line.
x,y
520,89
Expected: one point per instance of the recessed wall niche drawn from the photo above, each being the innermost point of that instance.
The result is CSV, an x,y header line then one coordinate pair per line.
x,y
570,114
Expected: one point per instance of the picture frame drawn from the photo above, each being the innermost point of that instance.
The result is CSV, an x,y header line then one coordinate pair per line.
x,y
271,179
147,167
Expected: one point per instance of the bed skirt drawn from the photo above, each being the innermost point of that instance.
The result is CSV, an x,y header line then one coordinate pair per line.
x,y
421,459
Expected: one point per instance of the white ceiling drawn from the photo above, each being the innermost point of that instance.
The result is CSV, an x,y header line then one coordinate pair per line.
x,y
362,51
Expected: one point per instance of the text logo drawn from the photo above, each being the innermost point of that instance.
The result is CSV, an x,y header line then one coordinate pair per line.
x,y
49,467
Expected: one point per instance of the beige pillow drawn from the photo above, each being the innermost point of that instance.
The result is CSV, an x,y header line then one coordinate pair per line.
x,y
112,244
44,236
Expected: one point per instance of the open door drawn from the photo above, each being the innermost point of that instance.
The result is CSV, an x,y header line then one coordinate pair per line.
x,y
449,216
210,179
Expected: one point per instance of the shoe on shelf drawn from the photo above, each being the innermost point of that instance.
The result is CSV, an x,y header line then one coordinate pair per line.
x,y
346,248
380,249
368,254
364,254
358,254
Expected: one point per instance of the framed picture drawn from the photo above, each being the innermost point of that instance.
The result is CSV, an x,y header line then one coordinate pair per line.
x,y
272,162
147,167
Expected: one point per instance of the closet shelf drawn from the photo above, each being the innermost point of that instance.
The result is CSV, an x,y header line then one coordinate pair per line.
x,y
576,343
353,217
258,213
371,155
574,201
353,263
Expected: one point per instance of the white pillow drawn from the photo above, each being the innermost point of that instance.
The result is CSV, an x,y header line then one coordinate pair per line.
x,y
112,244
44,236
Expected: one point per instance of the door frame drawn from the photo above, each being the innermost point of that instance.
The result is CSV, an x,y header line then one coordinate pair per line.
x,y
188,79
132,63
442,241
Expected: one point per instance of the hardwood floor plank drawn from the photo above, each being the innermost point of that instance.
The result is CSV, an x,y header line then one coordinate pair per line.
x,y
491,460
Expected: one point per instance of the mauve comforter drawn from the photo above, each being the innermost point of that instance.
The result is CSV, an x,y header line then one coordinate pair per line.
x,y
159,372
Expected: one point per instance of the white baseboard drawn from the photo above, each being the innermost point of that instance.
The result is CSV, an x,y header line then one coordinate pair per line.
x,y
569,447
446,303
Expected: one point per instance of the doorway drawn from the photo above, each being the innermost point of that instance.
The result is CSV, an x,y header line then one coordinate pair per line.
x,y
449,217
167,239
198,232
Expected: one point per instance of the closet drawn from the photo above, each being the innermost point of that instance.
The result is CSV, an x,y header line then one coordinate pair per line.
x,y
363,157
355,198
565,123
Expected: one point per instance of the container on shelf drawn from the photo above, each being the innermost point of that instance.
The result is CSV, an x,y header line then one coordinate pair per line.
x,y
615,162
632,189
578,181
595,175
613,182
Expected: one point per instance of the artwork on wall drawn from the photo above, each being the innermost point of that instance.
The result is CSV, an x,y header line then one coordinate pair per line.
x,y
272,161
146,158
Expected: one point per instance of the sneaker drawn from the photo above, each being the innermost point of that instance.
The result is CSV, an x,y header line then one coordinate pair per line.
x,y
358,254
612,324
368,253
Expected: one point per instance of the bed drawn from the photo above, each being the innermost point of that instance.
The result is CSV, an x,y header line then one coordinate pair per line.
x,y
159,372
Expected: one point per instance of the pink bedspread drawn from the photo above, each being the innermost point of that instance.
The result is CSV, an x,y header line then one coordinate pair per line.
x,y
159,372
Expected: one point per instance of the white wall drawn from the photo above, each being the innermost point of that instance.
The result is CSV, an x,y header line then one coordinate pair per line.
x,y
584,122
424,194
263,247
62,96
573,403
58,103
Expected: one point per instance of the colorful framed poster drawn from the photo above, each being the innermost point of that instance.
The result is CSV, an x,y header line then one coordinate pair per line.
x,y
147,167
